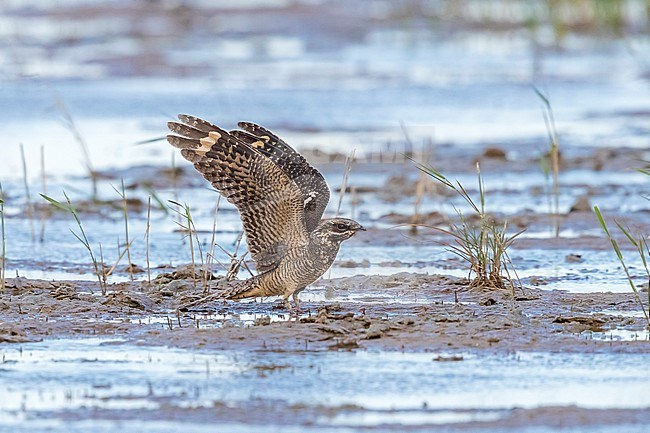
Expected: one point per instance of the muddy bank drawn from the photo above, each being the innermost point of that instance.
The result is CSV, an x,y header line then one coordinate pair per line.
x,y
404,312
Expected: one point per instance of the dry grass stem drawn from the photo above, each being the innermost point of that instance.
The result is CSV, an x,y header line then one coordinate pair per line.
x,y
41,237
125,214
207,271
554,154
235,262
104,275
146,237
344,182
28,197
421,185
71,126
120,255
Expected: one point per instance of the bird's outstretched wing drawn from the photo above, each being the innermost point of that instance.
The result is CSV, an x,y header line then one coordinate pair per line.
x,y
270,202
313,187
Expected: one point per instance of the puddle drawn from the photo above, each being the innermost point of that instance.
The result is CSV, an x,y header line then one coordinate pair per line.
x,y
638,314
618,335
95,373
203,321
410,418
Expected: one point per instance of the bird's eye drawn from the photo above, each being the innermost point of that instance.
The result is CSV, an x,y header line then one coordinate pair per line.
x,y
341,227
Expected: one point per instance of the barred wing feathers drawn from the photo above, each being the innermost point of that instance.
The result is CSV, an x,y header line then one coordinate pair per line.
x,y
316,193
270,201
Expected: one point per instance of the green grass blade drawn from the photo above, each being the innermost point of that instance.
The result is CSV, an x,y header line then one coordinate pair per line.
x,y
627,233
157,199
543,97
601,220
57,204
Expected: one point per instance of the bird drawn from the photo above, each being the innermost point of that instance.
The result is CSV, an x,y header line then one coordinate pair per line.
x,y
281,199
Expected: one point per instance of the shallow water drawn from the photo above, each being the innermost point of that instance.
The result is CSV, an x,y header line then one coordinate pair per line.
x,y
66,380
370,87
61,256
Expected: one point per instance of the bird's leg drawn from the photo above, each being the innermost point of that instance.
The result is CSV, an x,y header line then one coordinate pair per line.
x,y
287,304
296,301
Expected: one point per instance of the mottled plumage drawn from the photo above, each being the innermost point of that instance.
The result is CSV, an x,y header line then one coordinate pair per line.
x,y
281,199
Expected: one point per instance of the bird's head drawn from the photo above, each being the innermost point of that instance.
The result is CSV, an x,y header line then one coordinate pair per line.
x,y
338,229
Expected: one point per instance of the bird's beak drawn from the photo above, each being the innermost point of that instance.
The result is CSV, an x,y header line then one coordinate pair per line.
x,y
361,229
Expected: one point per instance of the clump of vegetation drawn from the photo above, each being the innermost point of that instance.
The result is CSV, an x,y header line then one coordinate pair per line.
x,y
68,207
484,246
640,244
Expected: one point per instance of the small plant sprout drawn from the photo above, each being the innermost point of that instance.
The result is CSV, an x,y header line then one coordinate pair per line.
x,y
640,244
68,207
186,223
483,247
554,155
3,267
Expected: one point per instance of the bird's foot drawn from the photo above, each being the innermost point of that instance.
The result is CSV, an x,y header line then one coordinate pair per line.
x,y
293,311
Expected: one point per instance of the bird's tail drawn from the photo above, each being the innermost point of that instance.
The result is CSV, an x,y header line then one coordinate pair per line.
x,y
250,288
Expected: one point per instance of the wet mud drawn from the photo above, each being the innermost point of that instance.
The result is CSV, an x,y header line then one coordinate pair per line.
x,y
404,311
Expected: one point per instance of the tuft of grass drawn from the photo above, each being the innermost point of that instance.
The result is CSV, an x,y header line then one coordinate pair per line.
x,y
640,243
484,246
3,257
553,154
81,237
